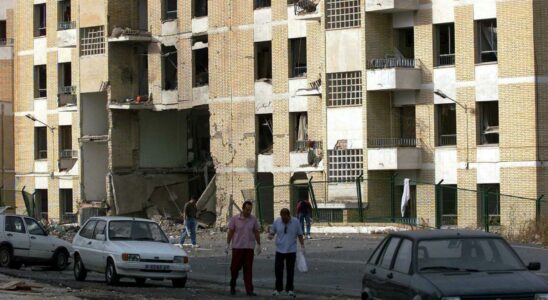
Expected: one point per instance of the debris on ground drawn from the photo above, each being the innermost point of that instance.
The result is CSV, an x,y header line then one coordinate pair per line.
x,y
18,285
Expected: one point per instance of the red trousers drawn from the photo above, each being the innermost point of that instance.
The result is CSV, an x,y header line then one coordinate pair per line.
x,y
242,258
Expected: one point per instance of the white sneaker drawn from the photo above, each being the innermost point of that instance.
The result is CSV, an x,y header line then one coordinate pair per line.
x,y
275,293
195,246
292,294
308,236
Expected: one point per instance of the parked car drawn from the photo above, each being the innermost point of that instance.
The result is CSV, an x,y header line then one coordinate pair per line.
x,y
128,247
23,240
449,265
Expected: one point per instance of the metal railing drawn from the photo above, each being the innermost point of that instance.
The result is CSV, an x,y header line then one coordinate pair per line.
x,y
303,7
446,59
65,25
449,220
68,154
42,93
42,154
387,63
67,89
447,140
298,71
6,42
307,145
391,142
68,218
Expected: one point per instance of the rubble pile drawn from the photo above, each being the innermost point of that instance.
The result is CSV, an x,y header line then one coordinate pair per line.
x,y
65,232
172,227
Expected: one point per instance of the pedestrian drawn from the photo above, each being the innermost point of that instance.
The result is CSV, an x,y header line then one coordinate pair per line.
x,y
243,233
287,230
189,215
304,213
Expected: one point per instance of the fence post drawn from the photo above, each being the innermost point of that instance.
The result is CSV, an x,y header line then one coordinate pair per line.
x,y
393,196
313,197
438,202
485,201
538,209
258,196
359,191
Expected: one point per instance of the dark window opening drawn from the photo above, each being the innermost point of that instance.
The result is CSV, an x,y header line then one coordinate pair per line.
x,y
3,32
169,67
65,78
298,135
265,141
263,60
489,204
297,58
486,37
40,82
40,143
65,138
40,20
261,3
170,10
142,53
200,8
63,13
489,122
41,204
200,57
66,200
405,42
449,206
445,44
446,124
407,122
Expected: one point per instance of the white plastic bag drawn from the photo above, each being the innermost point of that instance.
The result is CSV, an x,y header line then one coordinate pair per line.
x,y
301,262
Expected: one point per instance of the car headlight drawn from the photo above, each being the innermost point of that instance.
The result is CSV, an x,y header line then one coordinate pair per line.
x,y
180,259
541,297
130,257
450,298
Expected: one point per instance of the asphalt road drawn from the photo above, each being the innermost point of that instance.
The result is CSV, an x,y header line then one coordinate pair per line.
x,y
335,269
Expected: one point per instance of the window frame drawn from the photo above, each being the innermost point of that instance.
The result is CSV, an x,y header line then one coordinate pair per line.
x,y
378,251
43,231
379,264
167,15
410,267
94,221
479,25
15,217
450,61
40,139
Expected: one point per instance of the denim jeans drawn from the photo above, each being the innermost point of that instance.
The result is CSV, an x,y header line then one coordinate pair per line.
x,y
302,219
190,228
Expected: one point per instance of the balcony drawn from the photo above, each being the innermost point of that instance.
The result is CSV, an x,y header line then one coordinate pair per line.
x,y
391,6
6,49
307,9
306,157
67,159
66,96
128,35
67,35
265,163
393,74
393,154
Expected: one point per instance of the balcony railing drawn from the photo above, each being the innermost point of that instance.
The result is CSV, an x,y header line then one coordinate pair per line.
x,y
388,63
446,59
303,7
392,142
449,220
68,154
447,139
66,25
67,89
303,146
6,42
42,154
68,218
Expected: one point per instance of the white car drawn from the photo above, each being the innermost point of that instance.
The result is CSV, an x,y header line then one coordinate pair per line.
x,y
128,247
24,241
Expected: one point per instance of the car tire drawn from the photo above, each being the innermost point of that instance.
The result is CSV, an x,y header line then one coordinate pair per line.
x,y
111,277
140,281
60,260
80,271
179,282
16,265
6,257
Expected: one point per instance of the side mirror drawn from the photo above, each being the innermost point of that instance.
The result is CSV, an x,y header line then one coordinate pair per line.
x,y
100,237
533,266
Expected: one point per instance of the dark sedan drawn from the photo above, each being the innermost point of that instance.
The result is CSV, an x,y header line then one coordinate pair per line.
x,y
449,265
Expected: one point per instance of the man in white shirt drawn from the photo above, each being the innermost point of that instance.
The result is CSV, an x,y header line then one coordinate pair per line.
x,y
286,229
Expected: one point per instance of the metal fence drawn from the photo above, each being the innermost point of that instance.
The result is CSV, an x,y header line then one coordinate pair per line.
x,y
392,142
388,63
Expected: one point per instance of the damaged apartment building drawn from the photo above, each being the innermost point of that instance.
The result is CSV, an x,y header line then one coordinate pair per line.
x,y
137,105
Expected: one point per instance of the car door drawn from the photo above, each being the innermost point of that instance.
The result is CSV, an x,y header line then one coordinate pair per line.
x,y
371,283
384,273
400,278
82,243
97,247
16,235
40,245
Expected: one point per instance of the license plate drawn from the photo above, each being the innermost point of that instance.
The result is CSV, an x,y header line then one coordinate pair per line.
x,y
157,267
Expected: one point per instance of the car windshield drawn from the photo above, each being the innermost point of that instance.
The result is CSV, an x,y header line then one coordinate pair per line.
x,y
467,254
136,231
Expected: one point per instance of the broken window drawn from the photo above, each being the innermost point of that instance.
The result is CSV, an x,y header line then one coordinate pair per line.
x,y
263,60
40,143
40,82
405,42
445,44
41,203
261,3
65,78
63,14
345,164
446,124
265,140
169,68
407,123
170,10
200,58
39,20
200,8
489,204
489,122
486,36
3,32
342,14
65,141
67,205
297,59
344,88
448,202
298,124
92,40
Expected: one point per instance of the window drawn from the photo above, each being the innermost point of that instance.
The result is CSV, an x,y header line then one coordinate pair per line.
x,y
344,89
3,32
446,124
65,140
87,231
402,263
99,229
200,57
40,82
136,231
200,8
298,135
375,256
39,20
92,41
263,60
41,203
389,251
66,201
488,122
63,14
34,228
14,224
445,44
342,13
40,143
405,41
345,165
261,3
486,38
489,204
448,203
169,67
297,58
170,10
265,141
65,78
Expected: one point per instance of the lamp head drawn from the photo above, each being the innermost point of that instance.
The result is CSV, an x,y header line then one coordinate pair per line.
x,y
30,117
441,94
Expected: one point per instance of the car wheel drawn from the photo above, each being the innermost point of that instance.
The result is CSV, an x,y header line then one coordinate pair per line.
x,y
60,260
111,277
140,281
6,258
179,282
365,296
80,271
16,265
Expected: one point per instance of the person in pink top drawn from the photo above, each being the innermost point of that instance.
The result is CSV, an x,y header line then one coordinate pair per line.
x,y
243,233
